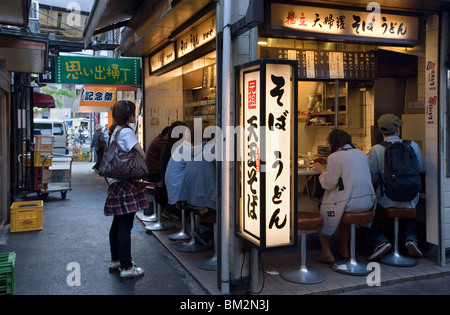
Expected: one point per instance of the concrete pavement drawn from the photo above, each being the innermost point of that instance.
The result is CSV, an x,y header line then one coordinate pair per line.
x,y
75,238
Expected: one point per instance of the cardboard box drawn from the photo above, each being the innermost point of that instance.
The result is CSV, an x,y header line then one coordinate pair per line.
x,y
43,143
55,176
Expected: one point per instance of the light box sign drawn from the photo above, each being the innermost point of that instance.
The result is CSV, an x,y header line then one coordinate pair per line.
x,y
267,204
196,37
162,58
368,26
98,70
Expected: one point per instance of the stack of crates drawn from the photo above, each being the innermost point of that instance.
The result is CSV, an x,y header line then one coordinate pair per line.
x,y
7,273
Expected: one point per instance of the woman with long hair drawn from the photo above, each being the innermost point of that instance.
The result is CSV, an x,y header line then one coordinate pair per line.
x,y
348,187
124,197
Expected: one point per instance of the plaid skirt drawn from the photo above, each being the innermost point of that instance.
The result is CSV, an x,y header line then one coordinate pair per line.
x,y
125,197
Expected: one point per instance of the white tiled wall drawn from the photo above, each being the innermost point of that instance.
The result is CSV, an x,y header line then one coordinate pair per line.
x,y
163,96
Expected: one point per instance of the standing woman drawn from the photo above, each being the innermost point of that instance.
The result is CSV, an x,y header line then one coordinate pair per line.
x,y
124,197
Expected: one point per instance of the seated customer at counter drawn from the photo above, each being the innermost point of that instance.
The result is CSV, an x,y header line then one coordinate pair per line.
x,y
348,187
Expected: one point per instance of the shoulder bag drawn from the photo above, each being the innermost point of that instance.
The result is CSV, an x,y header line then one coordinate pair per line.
x,y
119,164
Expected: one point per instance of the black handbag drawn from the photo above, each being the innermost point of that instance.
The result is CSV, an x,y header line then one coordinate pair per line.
x,y
314,188
119,164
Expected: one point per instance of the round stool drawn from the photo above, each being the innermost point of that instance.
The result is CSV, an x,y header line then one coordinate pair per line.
x,y
211,262
306,221
352,266
394,258
149,191
192,246
181,235
158,225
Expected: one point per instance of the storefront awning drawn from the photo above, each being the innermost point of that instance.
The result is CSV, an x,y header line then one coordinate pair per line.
x,y
43,100
152,24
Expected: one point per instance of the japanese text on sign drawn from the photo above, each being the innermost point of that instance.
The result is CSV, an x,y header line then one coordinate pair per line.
x,y
344,22
86,70
278,153
251,162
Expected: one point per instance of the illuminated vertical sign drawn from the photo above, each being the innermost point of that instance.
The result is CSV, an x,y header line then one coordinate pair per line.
x,y
267,203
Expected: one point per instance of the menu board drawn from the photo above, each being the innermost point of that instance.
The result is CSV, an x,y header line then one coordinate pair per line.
x,y
336,65
324,64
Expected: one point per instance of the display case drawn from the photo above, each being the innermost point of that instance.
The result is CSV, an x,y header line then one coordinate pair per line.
x,y
323,105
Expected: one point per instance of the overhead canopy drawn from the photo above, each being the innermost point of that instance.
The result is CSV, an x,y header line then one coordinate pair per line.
x,y
15,12
152,25
43,100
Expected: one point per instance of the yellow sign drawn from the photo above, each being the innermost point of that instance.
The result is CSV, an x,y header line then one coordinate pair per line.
x,y
98,96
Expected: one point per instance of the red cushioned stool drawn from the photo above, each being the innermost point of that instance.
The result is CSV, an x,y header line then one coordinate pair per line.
x,y
394,258
192,246
149,190
181,235
352,266
158,225
211,262
306,221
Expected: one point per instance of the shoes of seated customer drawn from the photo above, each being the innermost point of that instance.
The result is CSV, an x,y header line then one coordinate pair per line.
x,y
169,216
413,249
380,250
202,236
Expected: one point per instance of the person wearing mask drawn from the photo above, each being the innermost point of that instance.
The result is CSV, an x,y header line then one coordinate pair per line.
x,y
124,197
390,125
348,187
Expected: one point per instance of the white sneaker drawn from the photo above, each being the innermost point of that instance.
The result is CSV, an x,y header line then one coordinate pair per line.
x,y
114,265
131,273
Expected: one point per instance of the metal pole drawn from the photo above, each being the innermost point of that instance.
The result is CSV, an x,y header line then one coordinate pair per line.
x,y
226,104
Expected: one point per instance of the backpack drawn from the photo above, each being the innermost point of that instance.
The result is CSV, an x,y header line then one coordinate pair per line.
x,y
401,180
101,142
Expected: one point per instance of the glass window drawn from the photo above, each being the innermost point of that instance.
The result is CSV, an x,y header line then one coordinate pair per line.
x,y
42,129
58,130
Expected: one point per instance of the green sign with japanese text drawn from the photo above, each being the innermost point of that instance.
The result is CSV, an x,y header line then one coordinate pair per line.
x,y
97,70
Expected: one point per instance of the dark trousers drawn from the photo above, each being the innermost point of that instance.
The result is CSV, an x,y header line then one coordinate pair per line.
x,y
99,158
120,239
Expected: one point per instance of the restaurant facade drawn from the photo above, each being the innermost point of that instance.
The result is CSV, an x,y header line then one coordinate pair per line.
x,y
299,68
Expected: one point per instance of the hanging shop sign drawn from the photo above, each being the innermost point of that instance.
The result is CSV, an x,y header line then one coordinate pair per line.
x,y
370,26
96,70
193,39
162,58
98,96
267,204
196,37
